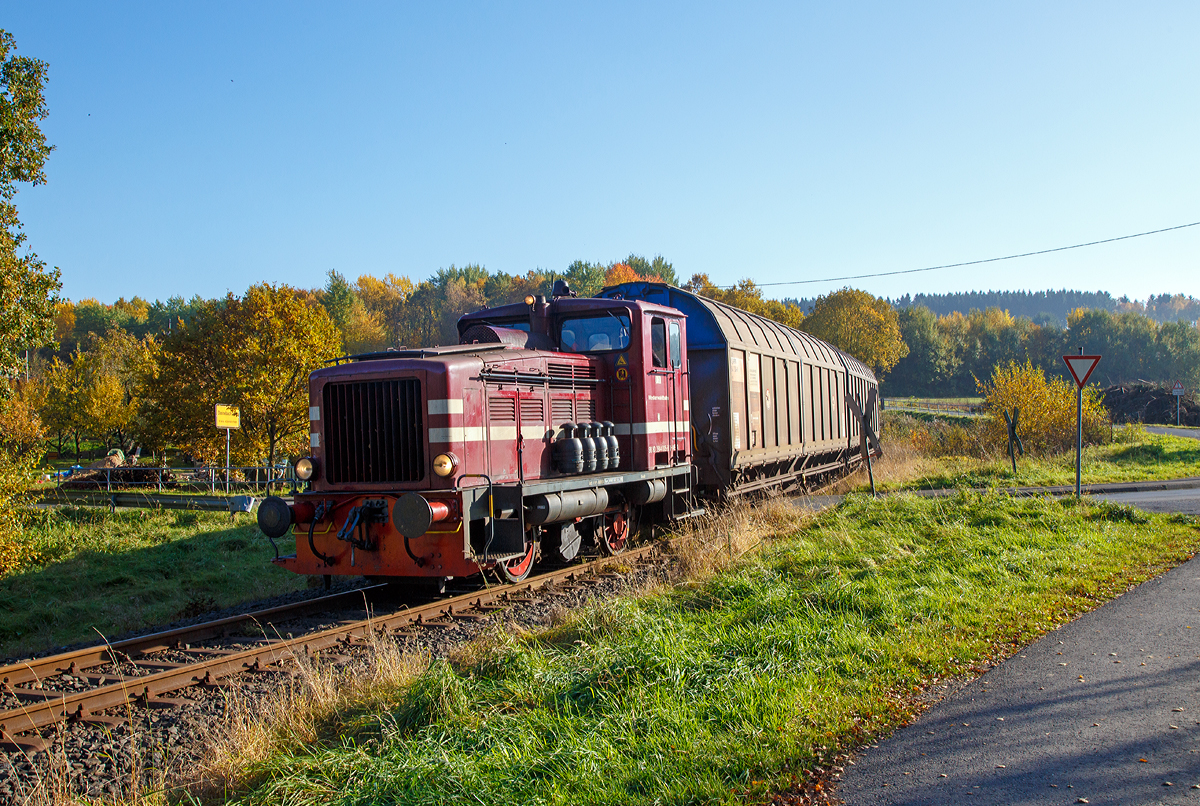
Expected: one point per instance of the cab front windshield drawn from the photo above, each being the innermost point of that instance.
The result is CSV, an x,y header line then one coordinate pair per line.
x,y
594,334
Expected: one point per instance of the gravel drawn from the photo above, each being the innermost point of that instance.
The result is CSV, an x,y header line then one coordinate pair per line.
x,y
149,748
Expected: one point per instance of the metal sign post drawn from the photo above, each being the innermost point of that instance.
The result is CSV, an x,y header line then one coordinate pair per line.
x,y
867,441
229,418
1177,390
1081,367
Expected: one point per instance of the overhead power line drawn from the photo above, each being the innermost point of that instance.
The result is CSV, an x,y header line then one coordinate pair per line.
x,y
977,262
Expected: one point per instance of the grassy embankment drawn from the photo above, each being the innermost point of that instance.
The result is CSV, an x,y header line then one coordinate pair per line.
x,y
930,452
723,688
88,572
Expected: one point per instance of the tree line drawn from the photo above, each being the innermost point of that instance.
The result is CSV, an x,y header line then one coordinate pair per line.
x,y
139,374
948,353
1046,307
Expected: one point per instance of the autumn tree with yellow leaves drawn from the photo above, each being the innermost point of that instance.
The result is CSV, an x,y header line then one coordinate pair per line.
x,y
1046,423
747,296
254,352
864,326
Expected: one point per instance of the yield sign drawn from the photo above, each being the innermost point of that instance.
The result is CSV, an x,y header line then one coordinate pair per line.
x,y
1081,367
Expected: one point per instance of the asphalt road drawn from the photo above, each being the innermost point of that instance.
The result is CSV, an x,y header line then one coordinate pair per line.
x,y
1175,432
1104,710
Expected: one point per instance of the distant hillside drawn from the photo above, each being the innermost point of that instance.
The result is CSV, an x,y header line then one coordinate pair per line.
x,y
1047,307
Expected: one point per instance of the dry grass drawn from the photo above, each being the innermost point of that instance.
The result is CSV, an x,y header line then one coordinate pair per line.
x,y
901,463
318,701
706,545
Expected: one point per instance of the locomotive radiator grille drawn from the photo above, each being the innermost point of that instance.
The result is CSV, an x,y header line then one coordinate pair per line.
x,y
373,432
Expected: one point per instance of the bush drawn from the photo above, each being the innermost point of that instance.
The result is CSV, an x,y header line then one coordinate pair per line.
x,y
936,436
1046,423
21,442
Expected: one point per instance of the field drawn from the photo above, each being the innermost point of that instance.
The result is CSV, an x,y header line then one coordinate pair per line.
x,y
90,573
923,451
732,684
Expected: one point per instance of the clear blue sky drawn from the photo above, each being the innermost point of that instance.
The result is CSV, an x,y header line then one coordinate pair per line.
x,y
202,147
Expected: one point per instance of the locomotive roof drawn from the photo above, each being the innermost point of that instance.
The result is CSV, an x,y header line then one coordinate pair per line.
x,y
563,305
715,325
455,355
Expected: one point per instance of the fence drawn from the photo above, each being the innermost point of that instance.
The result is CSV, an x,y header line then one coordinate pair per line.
x,y
259,478
933,406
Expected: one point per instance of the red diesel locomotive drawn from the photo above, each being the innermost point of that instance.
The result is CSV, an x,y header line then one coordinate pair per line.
x,y
559,422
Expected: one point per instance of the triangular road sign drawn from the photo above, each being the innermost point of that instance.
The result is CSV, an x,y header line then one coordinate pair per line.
x,y
1081,367
1177,389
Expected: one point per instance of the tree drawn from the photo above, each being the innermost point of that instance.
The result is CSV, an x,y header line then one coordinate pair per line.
x,y
59,403
28,291
108,387
864,326
338,298
622,273
658,268
929,363
254,352
586,279
749,297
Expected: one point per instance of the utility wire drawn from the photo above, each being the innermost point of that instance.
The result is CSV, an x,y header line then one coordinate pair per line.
x,y
977,262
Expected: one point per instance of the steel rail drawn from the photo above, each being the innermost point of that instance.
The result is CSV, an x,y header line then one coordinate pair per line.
x,y
72,662
48,707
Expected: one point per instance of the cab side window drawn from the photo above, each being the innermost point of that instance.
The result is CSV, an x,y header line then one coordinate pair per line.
x,y
658,342
676,354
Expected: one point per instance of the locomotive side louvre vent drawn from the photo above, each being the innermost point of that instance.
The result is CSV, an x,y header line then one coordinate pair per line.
x,y
502,409
566,374
585,410
533,410
373,432
562,410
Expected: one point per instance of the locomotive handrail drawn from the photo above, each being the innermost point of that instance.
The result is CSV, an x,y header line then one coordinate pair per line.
x,y
491,509
509,376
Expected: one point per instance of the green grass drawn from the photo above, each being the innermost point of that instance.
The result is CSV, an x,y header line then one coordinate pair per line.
x,y
1135,456
101,573
726,690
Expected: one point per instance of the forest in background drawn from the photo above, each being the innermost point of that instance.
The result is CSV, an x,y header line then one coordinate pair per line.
x,y
1046,307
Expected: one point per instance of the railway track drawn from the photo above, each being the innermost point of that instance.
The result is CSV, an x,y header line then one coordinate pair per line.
x,y
85,684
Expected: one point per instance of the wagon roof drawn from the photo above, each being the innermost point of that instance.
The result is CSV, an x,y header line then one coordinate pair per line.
x,y
713,324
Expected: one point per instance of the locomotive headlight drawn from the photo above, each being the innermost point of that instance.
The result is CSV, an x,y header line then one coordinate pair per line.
x,y
305,469
530,299
445,463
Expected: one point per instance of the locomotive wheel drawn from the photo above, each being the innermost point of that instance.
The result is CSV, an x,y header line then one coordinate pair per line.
x,y
614,537
517,569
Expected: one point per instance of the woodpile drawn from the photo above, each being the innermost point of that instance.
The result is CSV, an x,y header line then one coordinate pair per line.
x,y
1151,404
131,476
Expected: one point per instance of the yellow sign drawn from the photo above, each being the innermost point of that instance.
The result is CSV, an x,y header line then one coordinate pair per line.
x,y
621,361
622,374
228,416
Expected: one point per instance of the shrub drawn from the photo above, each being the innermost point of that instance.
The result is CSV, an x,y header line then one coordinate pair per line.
x,y
21,441
1047,410
935,436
